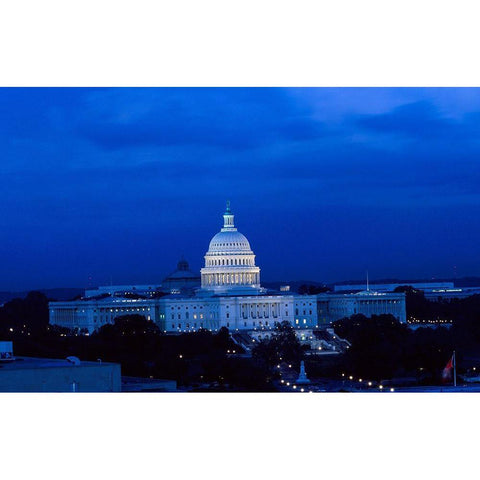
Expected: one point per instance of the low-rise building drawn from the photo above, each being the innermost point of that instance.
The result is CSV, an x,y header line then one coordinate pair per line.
x,y
27,374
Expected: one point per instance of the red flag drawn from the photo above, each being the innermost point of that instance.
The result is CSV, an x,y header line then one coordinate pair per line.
x,y
448,371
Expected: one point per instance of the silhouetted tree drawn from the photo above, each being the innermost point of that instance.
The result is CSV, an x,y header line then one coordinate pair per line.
x,y
282,343
312,289
23,316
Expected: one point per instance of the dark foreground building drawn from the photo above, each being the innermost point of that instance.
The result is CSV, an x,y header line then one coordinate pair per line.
x,y
26,374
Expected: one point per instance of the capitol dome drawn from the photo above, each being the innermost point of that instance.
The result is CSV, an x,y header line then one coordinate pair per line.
x,y
229,242
229,261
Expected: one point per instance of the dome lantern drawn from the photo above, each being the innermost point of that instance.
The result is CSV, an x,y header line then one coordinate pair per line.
x,y
228,224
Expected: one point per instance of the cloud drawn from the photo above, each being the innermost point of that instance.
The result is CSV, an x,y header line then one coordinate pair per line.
x,y
420,120
236,119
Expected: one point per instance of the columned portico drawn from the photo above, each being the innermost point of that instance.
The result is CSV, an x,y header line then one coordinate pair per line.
x,y
229,261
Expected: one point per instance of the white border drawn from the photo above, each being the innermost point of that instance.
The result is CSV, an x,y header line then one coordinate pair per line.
x,y
248,43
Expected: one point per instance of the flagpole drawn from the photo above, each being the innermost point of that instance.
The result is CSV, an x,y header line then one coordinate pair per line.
x,y
454,370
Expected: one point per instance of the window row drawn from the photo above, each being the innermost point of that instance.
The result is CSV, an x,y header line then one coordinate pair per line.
x,y
230,261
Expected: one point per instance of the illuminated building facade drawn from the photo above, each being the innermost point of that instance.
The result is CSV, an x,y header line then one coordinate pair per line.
x,y
230,296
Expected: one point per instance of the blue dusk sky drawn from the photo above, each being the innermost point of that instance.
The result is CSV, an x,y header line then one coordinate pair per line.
x,y
115,184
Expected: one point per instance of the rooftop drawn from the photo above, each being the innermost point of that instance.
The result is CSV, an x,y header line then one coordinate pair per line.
x,y
27,363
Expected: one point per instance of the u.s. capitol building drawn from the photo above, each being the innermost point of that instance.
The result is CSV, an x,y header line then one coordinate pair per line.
x,y
229,295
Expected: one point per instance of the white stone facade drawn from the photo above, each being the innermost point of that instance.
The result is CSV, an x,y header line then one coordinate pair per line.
x,y
230,296
233,312
334,306
90,315
229,262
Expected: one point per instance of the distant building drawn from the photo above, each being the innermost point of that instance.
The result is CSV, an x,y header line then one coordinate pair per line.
x,y
122,290
333,306
181,280
91,313
434,291
229,295
390,287
447,294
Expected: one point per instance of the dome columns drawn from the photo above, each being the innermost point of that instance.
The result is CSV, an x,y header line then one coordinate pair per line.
x,y
229,261
228,223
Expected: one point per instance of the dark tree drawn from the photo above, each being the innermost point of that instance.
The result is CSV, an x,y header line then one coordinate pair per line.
x,y
23,316
312,289
129,325
282,343
382,347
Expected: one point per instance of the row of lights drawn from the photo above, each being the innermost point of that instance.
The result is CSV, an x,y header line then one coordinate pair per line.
x,y
417,320
369,383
